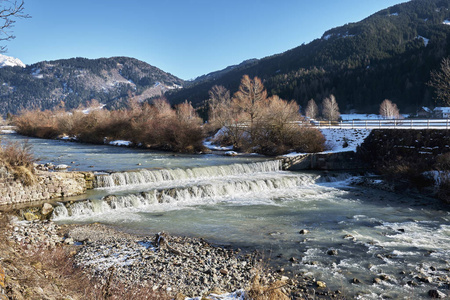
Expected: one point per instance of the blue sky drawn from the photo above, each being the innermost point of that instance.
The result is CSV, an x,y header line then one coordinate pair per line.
x,y
187,38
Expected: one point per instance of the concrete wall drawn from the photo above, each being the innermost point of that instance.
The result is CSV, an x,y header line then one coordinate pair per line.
x,y
322,161
49,185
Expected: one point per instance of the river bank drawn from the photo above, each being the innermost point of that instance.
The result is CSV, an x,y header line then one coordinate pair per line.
x,y
42,260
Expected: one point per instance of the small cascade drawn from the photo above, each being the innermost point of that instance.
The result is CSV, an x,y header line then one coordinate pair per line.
x,y
156,176
185,195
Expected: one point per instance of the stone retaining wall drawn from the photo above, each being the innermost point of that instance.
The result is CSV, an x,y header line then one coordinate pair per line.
x,y
49,185
324,161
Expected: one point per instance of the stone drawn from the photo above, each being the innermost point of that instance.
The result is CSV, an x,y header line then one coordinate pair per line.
x,y
356,280
223,271
384,277
68,241
436,294
332,252
61,167
321,284
29,216
304,231
46,210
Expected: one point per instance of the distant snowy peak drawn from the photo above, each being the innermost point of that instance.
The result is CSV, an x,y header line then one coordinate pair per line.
x,y
8,61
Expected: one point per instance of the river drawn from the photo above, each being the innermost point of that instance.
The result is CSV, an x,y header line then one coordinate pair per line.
x,y
367,243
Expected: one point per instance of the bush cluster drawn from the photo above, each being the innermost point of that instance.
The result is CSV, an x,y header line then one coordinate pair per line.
x,y
156,126
252,122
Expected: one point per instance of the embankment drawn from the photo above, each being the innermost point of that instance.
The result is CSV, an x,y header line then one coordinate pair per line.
x,y
48,185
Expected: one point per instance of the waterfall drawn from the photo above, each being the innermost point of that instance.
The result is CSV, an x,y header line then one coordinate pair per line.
x,y
156,176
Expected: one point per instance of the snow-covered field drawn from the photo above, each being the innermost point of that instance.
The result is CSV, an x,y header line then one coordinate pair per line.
x,y
340,140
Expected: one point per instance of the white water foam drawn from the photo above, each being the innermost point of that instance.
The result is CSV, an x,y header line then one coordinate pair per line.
x,y
238,191
154,176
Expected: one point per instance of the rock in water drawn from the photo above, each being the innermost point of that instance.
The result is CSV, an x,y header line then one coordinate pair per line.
x,y
436,294
46,210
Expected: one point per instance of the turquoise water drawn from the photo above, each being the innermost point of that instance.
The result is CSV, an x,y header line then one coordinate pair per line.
x,y
258,206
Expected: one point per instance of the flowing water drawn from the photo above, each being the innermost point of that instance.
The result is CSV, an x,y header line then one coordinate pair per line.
x,y
353,231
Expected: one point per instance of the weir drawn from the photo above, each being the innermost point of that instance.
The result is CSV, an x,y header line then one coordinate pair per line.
x,y
144,176
146,188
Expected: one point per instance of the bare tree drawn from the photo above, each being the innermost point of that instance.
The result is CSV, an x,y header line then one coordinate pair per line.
x,y
312,110
249,101
440,80
389,110
9,11
218,105
330,109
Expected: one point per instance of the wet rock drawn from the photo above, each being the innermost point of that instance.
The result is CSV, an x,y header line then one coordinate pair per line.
x,y
412,283
61,167
436,294
384,277
349,237
426,279
356,281
332,252
46,210
30,216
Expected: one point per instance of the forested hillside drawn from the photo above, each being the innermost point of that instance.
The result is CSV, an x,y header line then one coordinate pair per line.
x,y
78,80
387,55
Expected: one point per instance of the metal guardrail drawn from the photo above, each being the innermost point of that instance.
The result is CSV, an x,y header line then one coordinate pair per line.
x,y
386,124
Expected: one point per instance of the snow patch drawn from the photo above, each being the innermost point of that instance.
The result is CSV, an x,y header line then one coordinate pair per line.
x,y
425,40
343,140
8,61
37,73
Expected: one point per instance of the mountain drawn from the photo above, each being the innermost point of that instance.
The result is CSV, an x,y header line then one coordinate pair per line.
x,y
76,81
388,55
8,61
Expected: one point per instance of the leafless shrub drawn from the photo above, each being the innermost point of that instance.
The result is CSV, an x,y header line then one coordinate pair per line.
x,y
156,126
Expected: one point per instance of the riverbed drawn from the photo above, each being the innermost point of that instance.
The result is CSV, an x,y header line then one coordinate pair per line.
x,y
365,242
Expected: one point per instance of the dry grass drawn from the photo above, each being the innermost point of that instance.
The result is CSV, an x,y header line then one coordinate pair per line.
x,y
18,159
273,291
39,272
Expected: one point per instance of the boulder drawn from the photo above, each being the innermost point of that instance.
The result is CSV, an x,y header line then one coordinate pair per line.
x,y
436,294
46,210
